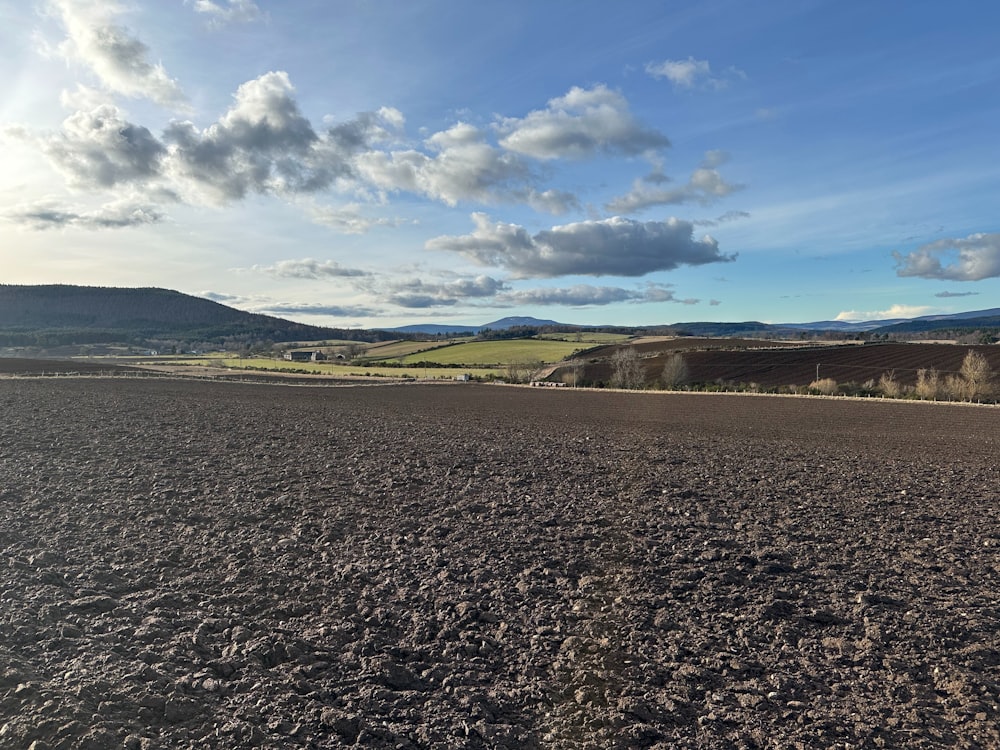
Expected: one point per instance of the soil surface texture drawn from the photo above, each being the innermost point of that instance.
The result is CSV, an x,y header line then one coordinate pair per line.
x,y
219,565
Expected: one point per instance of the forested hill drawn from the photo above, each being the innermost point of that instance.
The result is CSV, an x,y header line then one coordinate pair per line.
x,y
65,314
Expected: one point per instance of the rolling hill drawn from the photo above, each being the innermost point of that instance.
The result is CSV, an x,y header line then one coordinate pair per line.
x,y
57,315
53,315
963,321
497,325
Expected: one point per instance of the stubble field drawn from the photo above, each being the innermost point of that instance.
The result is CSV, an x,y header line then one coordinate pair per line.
x,y
221,565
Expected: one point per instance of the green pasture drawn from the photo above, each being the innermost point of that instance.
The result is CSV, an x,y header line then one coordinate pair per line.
x,y
397,349
586,338
481,353
328,369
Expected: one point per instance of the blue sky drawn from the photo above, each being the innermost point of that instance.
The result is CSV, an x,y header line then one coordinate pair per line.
x,y
373,163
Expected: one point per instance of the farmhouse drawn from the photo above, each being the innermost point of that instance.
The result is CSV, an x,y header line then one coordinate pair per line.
x,y
305,356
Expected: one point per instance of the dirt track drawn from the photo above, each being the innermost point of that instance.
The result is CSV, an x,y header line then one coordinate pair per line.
x,y
191,565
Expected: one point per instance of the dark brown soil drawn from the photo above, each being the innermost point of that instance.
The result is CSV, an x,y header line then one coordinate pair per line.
x,y
43,367
212,565
23,367
770,365
648,345
844,363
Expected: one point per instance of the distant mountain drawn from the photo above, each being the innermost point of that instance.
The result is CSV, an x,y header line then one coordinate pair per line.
x,y
970,321
435,329
953,321
993,312
63,314
505,323
53,315
844,326
497,325
721,329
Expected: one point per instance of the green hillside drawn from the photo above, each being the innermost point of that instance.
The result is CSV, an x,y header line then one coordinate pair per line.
x,y
497,352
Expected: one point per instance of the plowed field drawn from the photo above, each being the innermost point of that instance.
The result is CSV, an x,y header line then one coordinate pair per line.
x,y
220,565
798,365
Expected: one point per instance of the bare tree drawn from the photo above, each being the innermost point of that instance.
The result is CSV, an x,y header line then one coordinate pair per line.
x,y
955,388
626,370
675,371
928,384
353,350
889,386
515,371
536,369
825,386
521,371
977,374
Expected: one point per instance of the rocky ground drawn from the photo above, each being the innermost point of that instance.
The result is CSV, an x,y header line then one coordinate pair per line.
x,y
212,565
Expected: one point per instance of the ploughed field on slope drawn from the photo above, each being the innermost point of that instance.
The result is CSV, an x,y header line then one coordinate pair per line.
x,y
41,367
220,565
771,366
22,367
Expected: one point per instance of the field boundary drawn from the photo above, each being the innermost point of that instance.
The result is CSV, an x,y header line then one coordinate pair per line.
x,y
660,392
308,381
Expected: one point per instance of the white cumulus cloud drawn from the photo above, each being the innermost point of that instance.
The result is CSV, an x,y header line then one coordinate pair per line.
x,y
895,311
972,258
579,125
705,186
462,166
263,143
233,11
691,73
100,149
118,58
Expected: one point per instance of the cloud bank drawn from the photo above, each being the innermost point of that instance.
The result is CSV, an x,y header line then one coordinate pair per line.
x,y
309,268
948,295
587,295
416,293
116,215
336,311
264,144
612,247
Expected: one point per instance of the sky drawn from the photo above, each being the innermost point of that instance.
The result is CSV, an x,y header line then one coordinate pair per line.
x,y
378,163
